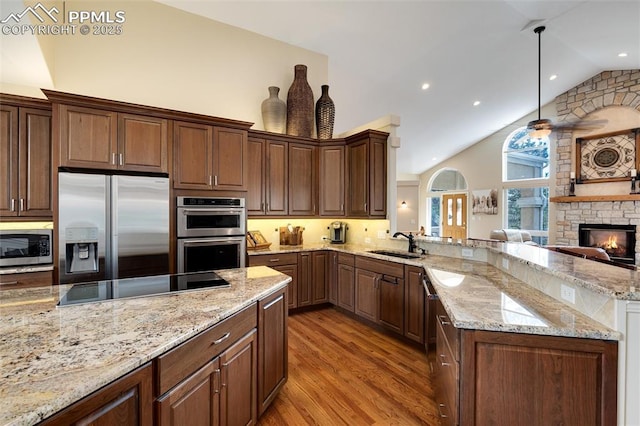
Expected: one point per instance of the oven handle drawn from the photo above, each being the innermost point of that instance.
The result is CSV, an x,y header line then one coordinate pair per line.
x,y
208,241
201,211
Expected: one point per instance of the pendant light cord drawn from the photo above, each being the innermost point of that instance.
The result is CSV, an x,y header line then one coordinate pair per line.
x,y
539,30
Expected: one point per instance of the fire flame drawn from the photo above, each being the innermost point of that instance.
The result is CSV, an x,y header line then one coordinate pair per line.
x,y
612,242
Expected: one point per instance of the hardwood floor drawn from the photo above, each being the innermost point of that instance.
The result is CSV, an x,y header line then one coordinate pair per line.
x,y
344,372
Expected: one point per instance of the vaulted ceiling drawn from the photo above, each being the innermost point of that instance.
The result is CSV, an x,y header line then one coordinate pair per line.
x,y
382,52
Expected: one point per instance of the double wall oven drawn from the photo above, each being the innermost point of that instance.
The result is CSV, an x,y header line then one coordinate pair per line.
x,y
211,233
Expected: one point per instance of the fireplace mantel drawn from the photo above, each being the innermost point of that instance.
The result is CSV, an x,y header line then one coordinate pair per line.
x,y
590,198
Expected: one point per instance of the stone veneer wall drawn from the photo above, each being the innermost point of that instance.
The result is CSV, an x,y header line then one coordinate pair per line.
x,y
609,88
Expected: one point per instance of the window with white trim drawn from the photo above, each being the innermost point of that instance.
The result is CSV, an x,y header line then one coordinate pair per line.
x,y
525,171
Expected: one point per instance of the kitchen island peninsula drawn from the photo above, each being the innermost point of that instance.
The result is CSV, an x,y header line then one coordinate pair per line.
x,y
156,348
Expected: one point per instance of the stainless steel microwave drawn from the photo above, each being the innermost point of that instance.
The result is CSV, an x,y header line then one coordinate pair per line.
x,y
19,247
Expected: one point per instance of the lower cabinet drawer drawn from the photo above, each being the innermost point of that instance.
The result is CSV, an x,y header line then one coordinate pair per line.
x,y
191,355
276,259
447,379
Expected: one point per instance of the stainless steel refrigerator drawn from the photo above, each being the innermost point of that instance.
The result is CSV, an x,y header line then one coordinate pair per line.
x,y
112,226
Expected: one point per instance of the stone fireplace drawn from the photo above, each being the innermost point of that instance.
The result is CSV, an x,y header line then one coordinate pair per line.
x,y
619,241
602,204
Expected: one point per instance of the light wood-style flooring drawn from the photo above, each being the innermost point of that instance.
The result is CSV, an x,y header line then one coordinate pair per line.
x,y
342,372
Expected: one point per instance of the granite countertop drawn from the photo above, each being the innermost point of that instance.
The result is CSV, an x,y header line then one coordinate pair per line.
x,y
53,356
479,296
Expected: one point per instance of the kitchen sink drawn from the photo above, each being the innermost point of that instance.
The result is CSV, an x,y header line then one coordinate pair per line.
x,y
392,253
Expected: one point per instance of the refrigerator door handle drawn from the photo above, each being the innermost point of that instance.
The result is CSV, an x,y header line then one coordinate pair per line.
x,y
112,224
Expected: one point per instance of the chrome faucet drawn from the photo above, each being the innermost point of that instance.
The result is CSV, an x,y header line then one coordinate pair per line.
x,y
412,243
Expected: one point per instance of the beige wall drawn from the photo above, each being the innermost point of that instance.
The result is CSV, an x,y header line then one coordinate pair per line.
x,y
481,166
408,217
171,59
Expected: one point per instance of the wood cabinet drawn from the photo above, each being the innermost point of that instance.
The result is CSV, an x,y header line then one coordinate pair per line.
x,y
273,348
301,177
209,157
26,280
367,174
303,180
345,297
480,378
287,263
379,292
414,304
331,185
268,181
216,371
25,159
107,140
222,392
313,279
127,401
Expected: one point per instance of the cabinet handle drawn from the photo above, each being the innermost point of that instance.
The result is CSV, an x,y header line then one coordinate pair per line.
x,y
222,339
442,363
10,283
210,183
365,207
274,260
215,180
443,320
341,207
113,158
21,204
266,207
121,159
13,204
216,380
440,407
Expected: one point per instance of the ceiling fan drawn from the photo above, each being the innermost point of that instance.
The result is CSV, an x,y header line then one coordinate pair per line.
x,y
542,127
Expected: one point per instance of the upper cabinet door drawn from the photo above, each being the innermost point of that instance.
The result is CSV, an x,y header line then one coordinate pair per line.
x,y
142,143
331,186
230,151
358,183
276,182
35,163
255,198
378,177
88,138
8,160
303,181
192,145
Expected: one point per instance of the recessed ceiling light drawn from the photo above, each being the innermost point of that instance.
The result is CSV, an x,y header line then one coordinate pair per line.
x,y
476,103
622,54
434,159
553,77
425,86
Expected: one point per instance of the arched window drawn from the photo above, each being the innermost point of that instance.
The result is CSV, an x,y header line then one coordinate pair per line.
x,y
445,180
524,157
525,172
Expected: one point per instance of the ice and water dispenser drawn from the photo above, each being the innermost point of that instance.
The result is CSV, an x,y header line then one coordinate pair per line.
x,y
81,246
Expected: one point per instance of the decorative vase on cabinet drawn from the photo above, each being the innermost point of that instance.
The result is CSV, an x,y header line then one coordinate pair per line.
x,y
274,112
325,114
300,105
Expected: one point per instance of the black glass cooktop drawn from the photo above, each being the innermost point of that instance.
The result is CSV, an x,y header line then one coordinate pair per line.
x,y
97,291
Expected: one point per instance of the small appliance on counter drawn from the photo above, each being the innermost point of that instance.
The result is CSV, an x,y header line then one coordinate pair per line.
x,y
21,247
338,232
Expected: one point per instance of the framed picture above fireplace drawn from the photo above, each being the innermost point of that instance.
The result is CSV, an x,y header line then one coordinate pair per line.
x,y
607,157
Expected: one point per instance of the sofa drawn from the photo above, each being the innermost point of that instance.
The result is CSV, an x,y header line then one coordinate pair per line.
x,y
512,235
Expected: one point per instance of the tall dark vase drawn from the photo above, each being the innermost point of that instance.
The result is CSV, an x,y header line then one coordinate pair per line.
x,y
300,105
325,114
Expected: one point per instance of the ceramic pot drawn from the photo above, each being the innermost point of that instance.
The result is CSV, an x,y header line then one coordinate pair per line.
x,y
300,105
274,112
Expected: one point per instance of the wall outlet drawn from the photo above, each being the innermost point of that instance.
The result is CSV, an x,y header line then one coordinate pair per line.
x,y
505,264
467,252
367,240
382,235
568,293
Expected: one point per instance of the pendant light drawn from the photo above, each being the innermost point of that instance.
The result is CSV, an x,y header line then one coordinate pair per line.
x,y
539,128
